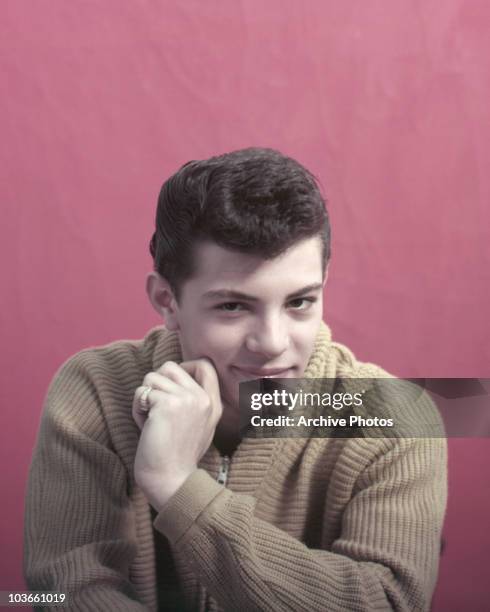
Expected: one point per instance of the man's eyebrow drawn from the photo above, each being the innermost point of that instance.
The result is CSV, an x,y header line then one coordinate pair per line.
x,y
228,294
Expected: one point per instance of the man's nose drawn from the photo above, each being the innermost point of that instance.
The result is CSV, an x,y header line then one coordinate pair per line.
x,y
269,338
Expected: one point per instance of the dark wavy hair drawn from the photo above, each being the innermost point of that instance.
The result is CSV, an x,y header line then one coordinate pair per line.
x,y
253,200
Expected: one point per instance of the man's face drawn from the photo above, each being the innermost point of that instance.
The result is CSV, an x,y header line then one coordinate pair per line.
x,y
252,317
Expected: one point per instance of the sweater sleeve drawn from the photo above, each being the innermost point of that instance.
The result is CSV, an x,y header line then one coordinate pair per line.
x,y
385,558
79,532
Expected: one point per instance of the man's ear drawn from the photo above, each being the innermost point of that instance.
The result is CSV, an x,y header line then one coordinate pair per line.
x,y
163,300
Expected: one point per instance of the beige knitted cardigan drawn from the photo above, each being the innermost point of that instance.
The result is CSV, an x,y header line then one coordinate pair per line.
x,y
302,524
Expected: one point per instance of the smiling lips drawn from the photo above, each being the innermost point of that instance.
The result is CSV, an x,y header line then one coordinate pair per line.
x,y
263,372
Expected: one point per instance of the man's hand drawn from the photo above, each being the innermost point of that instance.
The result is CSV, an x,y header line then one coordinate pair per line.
x,y
185,407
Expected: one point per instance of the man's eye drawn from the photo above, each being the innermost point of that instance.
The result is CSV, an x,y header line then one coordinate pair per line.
x,y
301,303
230,307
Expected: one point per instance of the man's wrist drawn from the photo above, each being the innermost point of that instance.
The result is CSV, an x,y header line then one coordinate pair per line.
x,y
161,495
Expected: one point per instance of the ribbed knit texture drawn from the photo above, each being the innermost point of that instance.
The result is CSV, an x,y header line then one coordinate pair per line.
x,y
303,524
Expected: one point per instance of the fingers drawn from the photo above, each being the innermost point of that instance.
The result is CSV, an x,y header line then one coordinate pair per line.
x,y
159,381
139,414
138,411
203,372
196,378
178,374
198,367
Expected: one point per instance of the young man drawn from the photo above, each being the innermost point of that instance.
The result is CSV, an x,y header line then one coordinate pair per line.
x,y
142,492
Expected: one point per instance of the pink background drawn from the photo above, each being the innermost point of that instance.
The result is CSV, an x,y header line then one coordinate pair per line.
x,y
387,102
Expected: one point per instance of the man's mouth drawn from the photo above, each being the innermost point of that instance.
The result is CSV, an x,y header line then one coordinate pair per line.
x,y
263,372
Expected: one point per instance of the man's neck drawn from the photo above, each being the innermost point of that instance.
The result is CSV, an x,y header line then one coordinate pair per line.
x,y
227,435
226,444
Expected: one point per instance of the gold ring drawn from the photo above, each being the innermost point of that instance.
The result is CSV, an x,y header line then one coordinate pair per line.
x,y
144,403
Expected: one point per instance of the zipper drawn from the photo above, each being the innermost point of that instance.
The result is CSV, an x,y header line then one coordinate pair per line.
x,y
223,470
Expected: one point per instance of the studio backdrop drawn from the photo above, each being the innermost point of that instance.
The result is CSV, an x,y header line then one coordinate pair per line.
x,y
387,102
